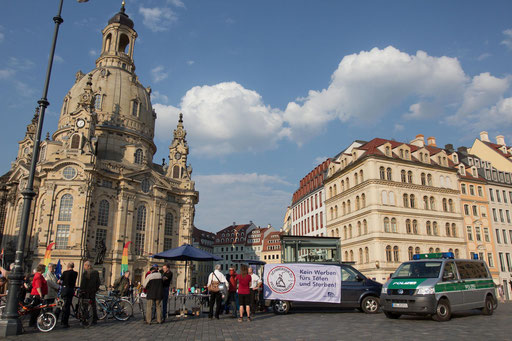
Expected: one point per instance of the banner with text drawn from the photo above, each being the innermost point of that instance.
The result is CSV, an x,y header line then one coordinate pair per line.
x,y
302,282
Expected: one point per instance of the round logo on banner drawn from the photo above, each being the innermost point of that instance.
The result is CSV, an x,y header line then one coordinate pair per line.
x,y
281,280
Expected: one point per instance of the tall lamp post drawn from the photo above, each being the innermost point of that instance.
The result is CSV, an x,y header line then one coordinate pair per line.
x,y
10,324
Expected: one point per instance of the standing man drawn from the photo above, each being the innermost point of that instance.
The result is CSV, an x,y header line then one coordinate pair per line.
x,y
214,280
89,286
154,288
167,280
255,287
53,287
68,282
232,294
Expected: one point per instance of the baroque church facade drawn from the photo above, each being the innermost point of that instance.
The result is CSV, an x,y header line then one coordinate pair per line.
x,y
97,186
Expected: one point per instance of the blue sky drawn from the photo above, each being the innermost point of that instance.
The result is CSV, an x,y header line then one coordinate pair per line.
x,y
270,88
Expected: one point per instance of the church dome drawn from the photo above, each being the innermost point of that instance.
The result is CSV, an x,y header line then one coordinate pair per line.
x,y
121,18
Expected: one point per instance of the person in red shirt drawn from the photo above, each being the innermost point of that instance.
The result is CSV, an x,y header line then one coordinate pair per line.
x,y
244,293
39,290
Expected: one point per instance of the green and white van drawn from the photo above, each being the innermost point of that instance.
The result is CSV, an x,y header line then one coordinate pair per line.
x,y
437,284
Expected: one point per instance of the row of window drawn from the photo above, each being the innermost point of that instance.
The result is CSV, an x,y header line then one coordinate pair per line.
x,y
502,219
307,205
411,227
502,257
463,190
499,196
362,228
478,233
269,257
503,237
360,203
358,178
310,224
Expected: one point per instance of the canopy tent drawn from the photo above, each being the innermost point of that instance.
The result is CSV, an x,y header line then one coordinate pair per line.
x,y
187,253
250,261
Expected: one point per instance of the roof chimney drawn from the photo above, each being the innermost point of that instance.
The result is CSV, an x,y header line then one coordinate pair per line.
x,y
419,141
500,139
484,136
234,223
431,141
449,147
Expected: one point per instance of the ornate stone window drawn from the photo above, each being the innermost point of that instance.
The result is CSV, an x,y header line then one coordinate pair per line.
x,y
388,253
62,237
135,107
141,218
169,220
69,173
138,156
103,212
396,254
139,244
382,173
98,99
66,207
389,174
145,185
75,141
410,252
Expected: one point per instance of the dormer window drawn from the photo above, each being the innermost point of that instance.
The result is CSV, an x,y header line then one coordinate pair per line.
x,y
388,151
401,153
455,158
135,107
470,161
462,170
475,173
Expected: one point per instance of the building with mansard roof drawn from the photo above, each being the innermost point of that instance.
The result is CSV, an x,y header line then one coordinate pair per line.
x,y
96,183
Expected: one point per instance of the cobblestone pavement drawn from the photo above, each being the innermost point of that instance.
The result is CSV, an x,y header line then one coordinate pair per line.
x,y
300,325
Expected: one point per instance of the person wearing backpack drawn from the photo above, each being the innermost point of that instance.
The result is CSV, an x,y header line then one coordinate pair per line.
x,y
215,280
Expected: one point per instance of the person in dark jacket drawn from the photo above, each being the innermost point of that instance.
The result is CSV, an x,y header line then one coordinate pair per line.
x,y
68,282
89,286
154,286
167,280
123,284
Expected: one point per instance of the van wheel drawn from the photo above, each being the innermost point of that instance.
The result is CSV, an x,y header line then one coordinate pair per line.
x,y
370,305
488,308
391,315
281,307
443,311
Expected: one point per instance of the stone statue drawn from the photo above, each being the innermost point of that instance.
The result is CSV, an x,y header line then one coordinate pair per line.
x,y
100,253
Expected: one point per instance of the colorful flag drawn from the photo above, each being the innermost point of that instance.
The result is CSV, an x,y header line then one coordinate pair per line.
x,y
124,259
48,256
58,270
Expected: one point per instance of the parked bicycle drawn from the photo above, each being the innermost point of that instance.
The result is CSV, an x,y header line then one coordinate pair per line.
x,y
82,310
46,320
121,309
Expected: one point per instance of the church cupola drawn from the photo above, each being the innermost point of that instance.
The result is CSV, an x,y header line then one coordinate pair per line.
x,y
178,152
118,41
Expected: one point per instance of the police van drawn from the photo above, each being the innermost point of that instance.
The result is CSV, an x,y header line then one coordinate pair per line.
x,y
437,284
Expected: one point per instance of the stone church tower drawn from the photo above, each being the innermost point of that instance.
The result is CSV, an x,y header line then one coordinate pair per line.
x,y
97,186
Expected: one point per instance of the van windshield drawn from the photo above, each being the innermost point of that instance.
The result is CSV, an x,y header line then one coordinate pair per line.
x,y
418,270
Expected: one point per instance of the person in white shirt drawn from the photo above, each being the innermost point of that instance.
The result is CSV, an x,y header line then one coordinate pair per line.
x,y
215,279
255,287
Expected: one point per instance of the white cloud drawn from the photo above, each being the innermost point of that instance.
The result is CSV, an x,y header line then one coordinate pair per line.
x,y
223,119
157,19
6,73
399,127
241,197
483,56
158,97
23,89
93,52
177,3
319,160
158,74
190,62
58,58
508,38
20,64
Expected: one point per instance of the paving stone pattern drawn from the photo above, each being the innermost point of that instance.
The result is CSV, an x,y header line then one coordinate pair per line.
x,y
300,325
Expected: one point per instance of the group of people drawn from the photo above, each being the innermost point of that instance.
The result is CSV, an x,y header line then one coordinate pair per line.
x,y
243,287
43,286
157,285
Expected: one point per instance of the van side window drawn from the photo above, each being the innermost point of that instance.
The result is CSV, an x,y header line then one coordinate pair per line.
x,y
450,272
347,274
469,270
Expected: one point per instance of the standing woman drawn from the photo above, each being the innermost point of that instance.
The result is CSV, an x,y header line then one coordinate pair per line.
x,y
39,290
244,293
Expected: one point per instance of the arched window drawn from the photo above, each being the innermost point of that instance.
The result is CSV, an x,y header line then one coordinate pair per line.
x,y
386,225
415,226
367,255
408,226
413,201
388,253
403,176
438,249
448,230
382,172
389,174
384,197
103,212
124,41
337,232
336,211
435,228
365,227
456,253
169,220
357,203
355,179
342,185
108,41
138,156
344,207
75,141
423,179
441,181
346,256
66,207
450,206
454,230
406,200
361,175
409,177
359,232
396,254
348,182
392,198
417,250
97,101
176,172
429,179
410,252
393,225
135,107
350,231
348,206
332,213
334,189
429,228
445,205
363,200
360,256
351,255
431,250
432,203
425,202
141,218
345,234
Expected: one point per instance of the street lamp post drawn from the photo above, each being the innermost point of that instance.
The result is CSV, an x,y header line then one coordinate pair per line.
x,y
10,324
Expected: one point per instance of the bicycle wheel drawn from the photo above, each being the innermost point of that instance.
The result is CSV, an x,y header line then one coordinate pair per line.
x,y
46,321
122,310
102,309
85,313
